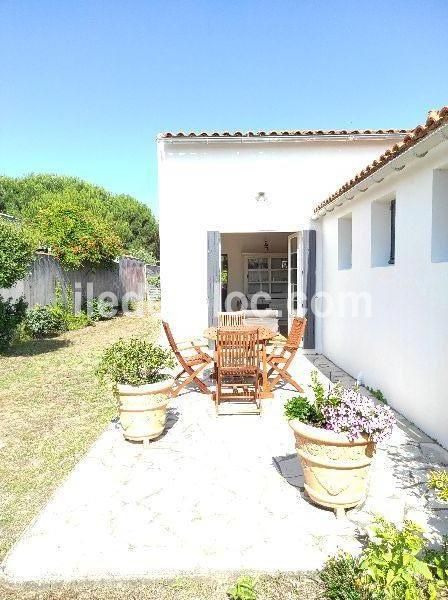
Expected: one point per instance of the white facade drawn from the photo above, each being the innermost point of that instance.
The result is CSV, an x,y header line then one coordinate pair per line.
x,y
402,346
209,184
398,340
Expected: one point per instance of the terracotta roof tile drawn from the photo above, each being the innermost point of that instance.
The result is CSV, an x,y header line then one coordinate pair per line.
x,y
281,133
435,119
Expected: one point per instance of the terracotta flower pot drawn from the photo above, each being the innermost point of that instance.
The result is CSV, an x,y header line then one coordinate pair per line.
x,y
143,409
335,469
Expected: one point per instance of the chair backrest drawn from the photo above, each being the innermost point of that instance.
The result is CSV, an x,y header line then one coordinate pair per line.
x,y
237,348
170,338
295,333
230,319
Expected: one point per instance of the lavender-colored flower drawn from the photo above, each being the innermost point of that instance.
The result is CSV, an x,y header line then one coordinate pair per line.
x,y
358,415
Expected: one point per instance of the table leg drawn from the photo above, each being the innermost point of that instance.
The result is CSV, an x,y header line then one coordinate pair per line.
x,y
266,393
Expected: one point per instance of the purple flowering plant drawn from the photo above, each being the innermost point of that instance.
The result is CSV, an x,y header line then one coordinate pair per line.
x,y
342,411
358,415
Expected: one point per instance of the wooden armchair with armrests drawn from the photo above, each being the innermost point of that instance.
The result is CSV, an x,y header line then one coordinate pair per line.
x,y
282,354
192,359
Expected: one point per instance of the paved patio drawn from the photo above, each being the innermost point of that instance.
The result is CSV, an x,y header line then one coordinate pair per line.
x,y
215,494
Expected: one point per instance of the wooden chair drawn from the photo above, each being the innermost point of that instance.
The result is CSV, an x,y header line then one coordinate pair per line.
x,y
230,319
237,367
191,358
283,353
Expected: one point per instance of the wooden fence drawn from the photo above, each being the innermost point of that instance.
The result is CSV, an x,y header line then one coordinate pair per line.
x,y
125,276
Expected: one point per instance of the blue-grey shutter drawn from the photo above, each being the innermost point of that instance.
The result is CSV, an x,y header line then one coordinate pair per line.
x,y
309,285
213,281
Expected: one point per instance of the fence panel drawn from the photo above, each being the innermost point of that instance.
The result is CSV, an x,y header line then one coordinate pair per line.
x,y
38,287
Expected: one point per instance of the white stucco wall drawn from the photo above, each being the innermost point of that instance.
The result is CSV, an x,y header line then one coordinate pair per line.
x,y
402,348
209,185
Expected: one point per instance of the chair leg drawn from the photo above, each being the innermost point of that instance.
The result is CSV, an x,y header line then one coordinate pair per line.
x,y
183,384
192,377
218,390
294,383
257,392
201,385
285,376
179,375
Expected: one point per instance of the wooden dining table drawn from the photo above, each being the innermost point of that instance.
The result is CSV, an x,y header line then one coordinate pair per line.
x,y
264,336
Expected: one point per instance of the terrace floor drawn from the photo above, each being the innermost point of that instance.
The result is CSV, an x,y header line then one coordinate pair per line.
x,y
215,495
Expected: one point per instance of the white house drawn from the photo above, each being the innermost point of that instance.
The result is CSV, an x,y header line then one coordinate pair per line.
x,y
254,205
401,347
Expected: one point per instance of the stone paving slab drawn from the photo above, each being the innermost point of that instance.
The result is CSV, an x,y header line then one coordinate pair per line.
x,y
213,494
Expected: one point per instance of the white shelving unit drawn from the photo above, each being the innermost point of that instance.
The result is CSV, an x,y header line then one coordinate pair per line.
x,y
268,273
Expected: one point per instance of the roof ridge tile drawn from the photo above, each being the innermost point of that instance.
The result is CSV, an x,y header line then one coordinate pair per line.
x,y
281,133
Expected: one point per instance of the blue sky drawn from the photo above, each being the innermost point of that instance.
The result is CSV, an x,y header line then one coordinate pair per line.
x,y
86,85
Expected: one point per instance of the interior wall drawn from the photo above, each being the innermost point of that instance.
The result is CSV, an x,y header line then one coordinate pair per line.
x,y
235,244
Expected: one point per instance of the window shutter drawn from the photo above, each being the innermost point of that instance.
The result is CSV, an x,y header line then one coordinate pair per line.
x,y
309,285
213,282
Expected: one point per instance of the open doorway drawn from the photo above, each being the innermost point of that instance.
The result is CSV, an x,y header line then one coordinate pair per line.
x,y
254,267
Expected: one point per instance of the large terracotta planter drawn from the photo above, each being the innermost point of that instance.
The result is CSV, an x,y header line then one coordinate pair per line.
x,y
335,469
143,409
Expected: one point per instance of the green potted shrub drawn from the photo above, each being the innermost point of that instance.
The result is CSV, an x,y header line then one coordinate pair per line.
x,y
138,371
336,436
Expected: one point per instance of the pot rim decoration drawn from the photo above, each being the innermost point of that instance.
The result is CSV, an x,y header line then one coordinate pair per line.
x,y
326,435
147,388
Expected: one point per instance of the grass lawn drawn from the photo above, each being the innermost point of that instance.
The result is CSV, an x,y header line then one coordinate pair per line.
x,y
51,410
268,587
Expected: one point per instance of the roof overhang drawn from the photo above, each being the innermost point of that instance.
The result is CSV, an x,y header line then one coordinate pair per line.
x,y
396,165
325,137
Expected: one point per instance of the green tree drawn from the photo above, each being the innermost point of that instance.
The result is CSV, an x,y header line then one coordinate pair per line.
x,y
137,226
16,193
131,220
74,228
16,253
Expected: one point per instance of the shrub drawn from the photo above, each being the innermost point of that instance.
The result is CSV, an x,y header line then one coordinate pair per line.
x,y
300,408
135,362
437,561
99,309
154,280
11,316
394,566
308,412
244,589
341,579
324,397
391,567
16,253
143,254
378,395
128,305
63,308
438,480
43,321
131,305
78,321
